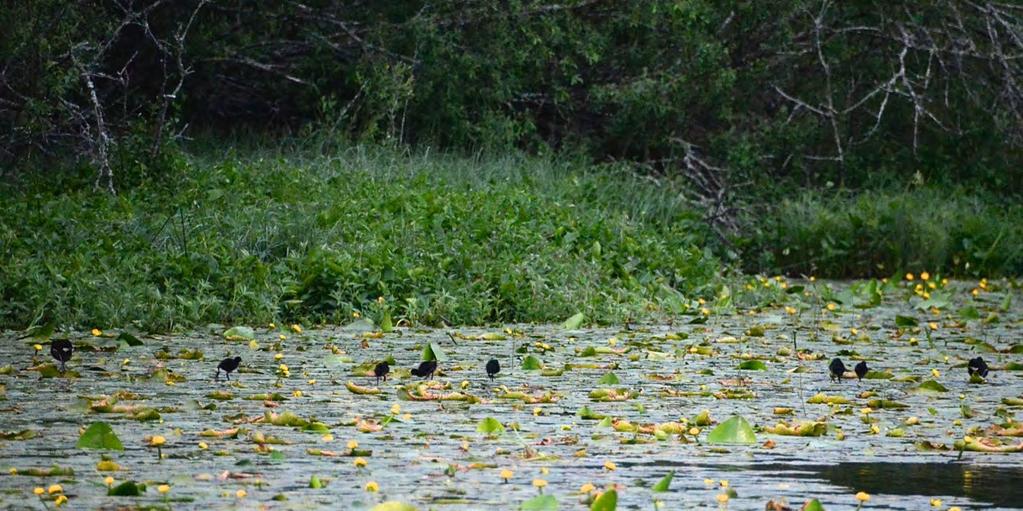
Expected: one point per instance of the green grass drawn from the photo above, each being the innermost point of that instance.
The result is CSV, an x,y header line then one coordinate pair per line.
x,y
955,231
286,235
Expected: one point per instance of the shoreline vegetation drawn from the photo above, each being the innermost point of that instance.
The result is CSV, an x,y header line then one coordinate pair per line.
x,y
288,234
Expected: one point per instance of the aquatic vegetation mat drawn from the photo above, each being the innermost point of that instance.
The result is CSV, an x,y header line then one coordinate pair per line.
x,y
720,409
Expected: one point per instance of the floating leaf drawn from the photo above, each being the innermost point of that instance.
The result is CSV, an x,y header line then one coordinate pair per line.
x,y
315,482
609,379
905,321
359,389
931,387
574,322
127,489
490,426
129,340
540,503
664,483
240,333
25,434
753,365
531,363
394,505
813,505
607,501
586,413
99,435
733,431
822,399
969,313
433,351
801,429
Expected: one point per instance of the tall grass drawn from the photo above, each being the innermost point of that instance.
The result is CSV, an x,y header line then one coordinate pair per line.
x,y
882,232
290,234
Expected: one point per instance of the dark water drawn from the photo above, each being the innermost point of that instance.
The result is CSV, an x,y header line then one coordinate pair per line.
x,y
998,486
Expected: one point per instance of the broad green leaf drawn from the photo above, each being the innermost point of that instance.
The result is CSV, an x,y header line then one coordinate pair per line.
x,y
574,322
795,289
540,503
607,501
531,363
733,431
905,321
969,313
664,483
490,426
315,483
386,325
813,505
240,333
609,379
99,435
931,386
394,505
129,339
433,351
753,365
127,489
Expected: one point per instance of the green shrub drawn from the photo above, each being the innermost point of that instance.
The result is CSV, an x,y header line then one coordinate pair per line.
x,y
290,236
881,232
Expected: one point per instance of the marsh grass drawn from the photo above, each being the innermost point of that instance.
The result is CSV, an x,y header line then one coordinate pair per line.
x,y
300,233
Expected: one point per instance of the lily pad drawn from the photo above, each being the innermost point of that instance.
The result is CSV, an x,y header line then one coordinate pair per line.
x,y
735,430
99,435
240,333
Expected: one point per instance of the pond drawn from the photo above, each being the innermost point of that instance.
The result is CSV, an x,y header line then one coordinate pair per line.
x,y
613,407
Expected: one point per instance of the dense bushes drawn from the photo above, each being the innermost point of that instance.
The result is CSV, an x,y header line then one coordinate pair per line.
x,y
883,232
272,236
722,92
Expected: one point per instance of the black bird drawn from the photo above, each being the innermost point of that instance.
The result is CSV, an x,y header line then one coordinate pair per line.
x,y
977,366
61,350
837,369
426,369
381,370
493,367
227,365
861,369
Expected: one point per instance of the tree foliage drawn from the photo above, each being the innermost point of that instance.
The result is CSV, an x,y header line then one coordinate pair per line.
x,y
726,93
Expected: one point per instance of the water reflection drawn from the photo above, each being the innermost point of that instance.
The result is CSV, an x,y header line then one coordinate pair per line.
x,y
999,486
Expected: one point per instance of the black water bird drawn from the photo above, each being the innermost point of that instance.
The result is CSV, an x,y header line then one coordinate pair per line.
x,y
861,369
61,350
228,365
426,369
977,366
381,370
493,367
837,369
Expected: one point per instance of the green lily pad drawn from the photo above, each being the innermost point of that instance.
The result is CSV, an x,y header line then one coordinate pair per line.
x,y
735,430
753,365
574,322
607,501
540,503
240,333
664,483
99,435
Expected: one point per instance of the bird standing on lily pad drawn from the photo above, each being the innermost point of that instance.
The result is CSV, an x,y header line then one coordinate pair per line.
x,y
381,370
61,350
977,366
227,365
861,369
493,367
425,369
837,369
